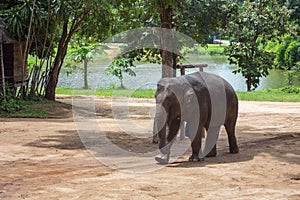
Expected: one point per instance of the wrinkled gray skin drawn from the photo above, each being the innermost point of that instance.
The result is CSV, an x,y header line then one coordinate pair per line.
x,y
187,98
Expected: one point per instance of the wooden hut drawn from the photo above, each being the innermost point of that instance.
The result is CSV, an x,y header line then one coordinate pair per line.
x,y
12,56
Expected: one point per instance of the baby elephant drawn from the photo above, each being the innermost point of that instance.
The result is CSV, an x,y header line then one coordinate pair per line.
x,y
204,101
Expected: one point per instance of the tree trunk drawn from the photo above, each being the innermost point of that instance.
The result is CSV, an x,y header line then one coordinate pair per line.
x,y
122,86
54,73
166,15
167,64
249,83
174,56
58,61
85,65
167,48
52,82
2,66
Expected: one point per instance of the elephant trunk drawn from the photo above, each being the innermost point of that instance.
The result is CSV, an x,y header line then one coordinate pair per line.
x,y
160,127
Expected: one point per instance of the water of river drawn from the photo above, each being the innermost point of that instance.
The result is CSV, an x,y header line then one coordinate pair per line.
x,y
147,75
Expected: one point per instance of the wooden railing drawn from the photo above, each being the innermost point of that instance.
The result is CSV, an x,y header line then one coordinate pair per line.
x,y
183,67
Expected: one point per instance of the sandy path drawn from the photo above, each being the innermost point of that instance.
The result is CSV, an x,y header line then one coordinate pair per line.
x,y
45,159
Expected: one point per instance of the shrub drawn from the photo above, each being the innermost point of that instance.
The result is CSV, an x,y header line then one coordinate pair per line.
x,y
292,54
280,61
120,66
10,103
291,89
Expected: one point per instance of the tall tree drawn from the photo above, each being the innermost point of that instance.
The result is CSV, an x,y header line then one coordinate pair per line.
x,y
28,21
53,25
70,17
294,6
252,26
166,18
198,19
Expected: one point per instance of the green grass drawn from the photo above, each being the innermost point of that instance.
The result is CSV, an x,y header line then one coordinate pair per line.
x,y
216,49
287,94
274,95
40,108
37,108
146,93
211,49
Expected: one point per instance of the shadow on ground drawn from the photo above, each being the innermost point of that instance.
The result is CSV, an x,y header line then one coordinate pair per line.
x,y
283,146
64,139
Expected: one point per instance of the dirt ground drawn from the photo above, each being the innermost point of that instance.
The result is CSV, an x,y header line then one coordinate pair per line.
x,y
45,159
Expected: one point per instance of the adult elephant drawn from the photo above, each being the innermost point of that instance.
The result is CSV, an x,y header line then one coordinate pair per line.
x,y
206,102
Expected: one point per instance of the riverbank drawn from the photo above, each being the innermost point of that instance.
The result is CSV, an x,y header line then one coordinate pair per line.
x,y
285,94
148,74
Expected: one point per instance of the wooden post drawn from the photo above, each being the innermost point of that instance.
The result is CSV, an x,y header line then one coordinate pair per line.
x,y
182,71
2,64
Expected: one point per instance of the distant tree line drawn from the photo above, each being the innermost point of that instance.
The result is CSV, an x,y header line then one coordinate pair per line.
x,y
50,26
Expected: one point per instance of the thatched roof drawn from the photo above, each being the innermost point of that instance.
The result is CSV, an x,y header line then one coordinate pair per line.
x,y
5,35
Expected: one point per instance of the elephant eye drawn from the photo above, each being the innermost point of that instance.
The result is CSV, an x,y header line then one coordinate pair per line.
x,y
160,88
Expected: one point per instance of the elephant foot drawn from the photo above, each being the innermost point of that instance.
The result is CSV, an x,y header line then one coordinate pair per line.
x,y
234,149
195,158
162,158
212,154
155,139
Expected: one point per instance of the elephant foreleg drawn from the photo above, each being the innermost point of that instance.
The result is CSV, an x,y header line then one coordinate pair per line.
x,y
164,155
213,152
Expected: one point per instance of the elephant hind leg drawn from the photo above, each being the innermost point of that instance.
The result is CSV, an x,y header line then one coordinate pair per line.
x,y
230,129
196,145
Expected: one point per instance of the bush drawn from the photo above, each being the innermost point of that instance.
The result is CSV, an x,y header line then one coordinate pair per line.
x,y
10,103
291,89
280,61
120,66
292,54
